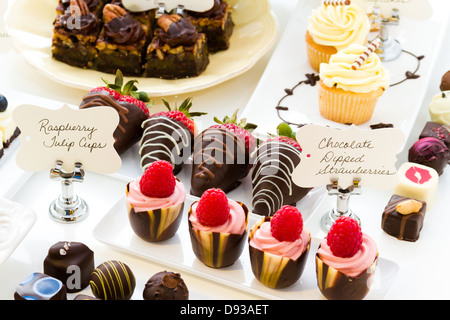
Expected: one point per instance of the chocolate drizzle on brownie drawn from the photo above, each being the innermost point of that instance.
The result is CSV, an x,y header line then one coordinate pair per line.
x,y
175,30
79,20
121,27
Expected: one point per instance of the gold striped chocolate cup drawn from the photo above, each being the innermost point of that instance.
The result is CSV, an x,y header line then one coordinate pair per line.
x,y
217,249
155,225
275,271
335,285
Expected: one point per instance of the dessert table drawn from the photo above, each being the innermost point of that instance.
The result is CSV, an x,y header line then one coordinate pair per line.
x,y
410,268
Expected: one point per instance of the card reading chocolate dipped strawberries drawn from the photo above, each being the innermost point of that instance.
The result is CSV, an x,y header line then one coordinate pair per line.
x,y
69,135
192,5
348,154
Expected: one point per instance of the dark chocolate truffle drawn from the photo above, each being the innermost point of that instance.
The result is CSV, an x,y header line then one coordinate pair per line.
x,y
70,262
113,280
445,82
404,226
166,285
39,286
430,152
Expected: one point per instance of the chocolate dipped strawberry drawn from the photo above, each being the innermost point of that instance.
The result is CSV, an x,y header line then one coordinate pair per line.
x,y
129,103
272,185
221,156
169,136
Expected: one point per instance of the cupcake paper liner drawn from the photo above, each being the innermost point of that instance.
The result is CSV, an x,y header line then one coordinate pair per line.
x,y
347,107
317,53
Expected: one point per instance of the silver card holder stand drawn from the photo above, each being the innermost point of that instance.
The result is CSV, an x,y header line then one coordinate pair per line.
x,y
342,208
68,207
162,10
389,48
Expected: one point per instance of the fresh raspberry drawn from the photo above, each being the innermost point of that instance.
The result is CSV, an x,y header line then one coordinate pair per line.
x,y
287,224
345,237
180,117
240,132
213,208
111,92
158,180
133,100
287,140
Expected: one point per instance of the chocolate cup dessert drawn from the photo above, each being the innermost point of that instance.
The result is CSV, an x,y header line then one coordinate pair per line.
x,y
335,285
274,271
217,249
156,225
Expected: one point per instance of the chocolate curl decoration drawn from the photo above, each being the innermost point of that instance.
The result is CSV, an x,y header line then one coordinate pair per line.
x,y
370,49
337,2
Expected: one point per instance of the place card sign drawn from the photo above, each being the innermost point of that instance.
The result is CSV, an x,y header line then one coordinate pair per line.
x,y
348,154
192,5
67,134
412,9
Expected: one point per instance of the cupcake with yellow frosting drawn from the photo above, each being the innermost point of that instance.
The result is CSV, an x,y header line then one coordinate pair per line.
x,y
439,108
332,27
351,83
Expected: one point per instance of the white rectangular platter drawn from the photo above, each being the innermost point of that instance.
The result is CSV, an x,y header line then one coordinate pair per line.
x,y
114,229
399,105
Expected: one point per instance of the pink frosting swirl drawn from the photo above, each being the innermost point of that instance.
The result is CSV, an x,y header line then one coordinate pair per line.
x,y
141,202
353,266
264,240
236,223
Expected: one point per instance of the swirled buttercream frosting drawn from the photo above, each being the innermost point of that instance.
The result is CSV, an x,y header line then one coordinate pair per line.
x,y
338,72
338,26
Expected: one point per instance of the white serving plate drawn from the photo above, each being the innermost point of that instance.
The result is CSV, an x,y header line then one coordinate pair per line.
x,y
399,105
114,229
16,221
255,33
